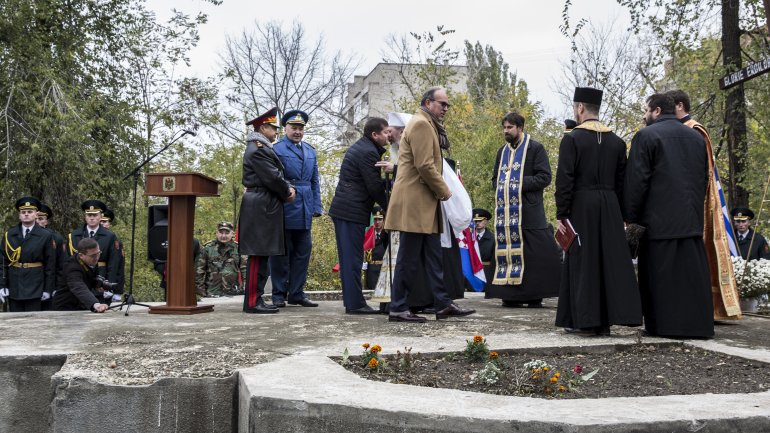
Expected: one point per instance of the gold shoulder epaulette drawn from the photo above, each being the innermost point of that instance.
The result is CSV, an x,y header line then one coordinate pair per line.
x,y
12,253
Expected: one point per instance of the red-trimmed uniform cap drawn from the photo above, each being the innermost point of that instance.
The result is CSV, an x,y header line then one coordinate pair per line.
x,y
270,117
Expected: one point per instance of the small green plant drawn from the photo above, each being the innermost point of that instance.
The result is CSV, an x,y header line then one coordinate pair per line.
x,y
405,360
476,350
490,374
345,357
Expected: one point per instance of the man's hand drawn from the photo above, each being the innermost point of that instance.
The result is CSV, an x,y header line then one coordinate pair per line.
x,y
45,296
561,228
3,295
100,308
387,165
447,197
292,195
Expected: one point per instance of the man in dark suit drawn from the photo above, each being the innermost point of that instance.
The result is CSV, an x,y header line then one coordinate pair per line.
x,y
29,260
486,241
667,173
360,185
751,244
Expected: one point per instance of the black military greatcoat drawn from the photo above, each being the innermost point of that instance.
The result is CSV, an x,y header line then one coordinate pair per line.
x,y
759,248
261,223
29,264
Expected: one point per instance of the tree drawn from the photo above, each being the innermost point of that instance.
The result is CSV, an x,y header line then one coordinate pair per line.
x,y
269,65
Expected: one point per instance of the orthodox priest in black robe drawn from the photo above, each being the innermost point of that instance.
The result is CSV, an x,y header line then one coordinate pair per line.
x,y
598,288
665,188
527,259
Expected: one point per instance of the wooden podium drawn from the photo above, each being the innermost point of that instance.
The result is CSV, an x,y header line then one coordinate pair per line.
x,y
181,190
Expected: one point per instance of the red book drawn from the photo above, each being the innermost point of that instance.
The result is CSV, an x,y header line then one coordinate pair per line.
x,y
566,238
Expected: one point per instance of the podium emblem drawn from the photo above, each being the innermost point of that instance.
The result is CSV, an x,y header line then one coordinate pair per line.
x,y
169,183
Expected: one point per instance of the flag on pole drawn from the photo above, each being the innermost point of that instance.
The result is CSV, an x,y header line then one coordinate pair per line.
x,y
726,216
473,269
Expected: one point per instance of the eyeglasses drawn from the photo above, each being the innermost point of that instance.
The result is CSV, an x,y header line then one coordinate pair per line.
x,y
444,105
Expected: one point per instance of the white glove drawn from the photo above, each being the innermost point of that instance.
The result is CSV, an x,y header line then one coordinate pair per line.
x,y
3,295
116,298
106,294
364,266
46,296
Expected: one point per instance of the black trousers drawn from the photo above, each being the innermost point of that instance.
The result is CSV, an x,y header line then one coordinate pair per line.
x,y
418,251
22,305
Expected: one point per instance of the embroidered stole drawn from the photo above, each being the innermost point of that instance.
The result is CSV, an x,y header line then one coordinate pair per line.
x,y
724,291
509,254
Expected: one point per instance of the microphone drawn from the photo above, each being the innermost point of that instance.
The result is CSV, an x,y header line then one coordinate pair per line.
x,y
187,131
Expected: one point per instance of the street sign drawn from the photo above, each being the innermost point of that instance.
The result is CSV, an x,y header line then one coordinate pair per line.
x,y
745,74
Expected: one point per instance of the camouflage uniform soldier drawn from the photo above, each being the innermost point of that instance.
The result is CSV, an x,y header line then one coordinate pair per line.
x,y
220,266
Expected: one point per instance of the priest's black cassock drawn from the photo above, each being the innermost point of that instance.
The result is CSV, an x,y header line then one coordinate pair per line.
x,y
598,288
541,255
665,188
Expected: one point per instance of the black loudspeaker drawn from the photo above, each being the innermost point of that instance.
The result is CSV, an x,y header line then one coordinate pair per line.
x,y
157,233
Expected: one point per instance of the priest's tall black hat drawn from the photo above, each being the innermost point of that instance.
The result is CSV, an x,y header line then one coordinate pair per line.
x,y
588,95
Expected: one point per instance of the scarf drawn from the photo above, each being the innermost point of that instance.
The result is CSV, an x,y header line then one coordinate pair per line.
x,y
443,140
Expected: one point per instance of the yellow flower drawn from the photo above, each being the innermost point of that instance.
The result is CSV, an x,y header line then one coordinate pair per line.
x,y
478,338
562,388
493,355
557,374
376,348
545,368
554,379
365,345
373,363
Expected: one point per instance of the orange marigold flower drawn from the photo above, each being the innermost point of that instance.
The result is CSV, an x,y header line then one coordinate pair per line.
x,y
478,338
545,368
365,345
373,363
554,379
493,355
562,388
376,348
557,374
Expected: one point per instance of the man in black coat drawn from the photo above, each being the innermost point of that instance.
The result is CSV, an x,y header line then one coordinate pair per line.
x,y
29,260
44,216
598,288
746,238
665,188
79,284
527,259
260,223
111,258
360,185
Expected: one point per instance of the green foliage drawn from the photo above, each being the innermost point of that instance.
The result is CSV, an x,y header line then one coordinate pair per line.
x,y
476,350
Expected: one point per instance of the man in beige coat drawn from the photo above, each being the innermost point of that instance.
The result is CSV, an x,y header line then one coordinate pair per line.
x,y
415,211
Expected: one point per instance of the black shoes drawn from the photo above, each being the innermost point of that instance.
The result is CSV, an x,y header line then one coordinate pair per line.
x,y
406,316
304,302
599,331
363,310
261,308
453,310
279,304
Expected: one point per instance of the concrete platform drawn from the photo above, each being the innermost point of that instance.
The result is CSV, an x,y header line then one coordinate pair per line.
x,y
230,372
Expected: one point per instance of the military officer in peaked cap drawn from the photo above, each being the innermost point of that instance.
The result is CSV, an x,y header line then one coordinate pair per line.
x,y
742,217
44,216
289,271
108,220
111,257
261,234
486,241
29,260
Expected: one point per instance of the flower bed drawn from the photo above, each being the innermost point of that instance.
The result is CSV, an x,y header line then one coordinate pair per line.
x,y
601,371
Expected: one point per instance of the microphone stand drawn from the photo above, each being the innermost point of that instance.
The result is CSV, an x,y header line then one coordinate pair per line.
x,y
129,299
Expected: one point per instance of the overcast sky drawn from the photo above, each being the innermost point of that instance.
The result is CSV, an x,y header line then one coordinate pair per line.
x,y
526,32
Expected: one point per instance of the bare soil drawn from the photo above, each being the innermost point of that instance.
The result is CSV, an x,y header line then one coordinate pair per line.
x,y
633,370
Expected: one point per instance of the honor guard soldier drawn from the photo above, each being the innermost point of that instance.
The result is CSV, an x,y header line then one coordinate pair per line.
x,y
108,220
744,234
111,256
29,260
44,217
486,241
375,255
